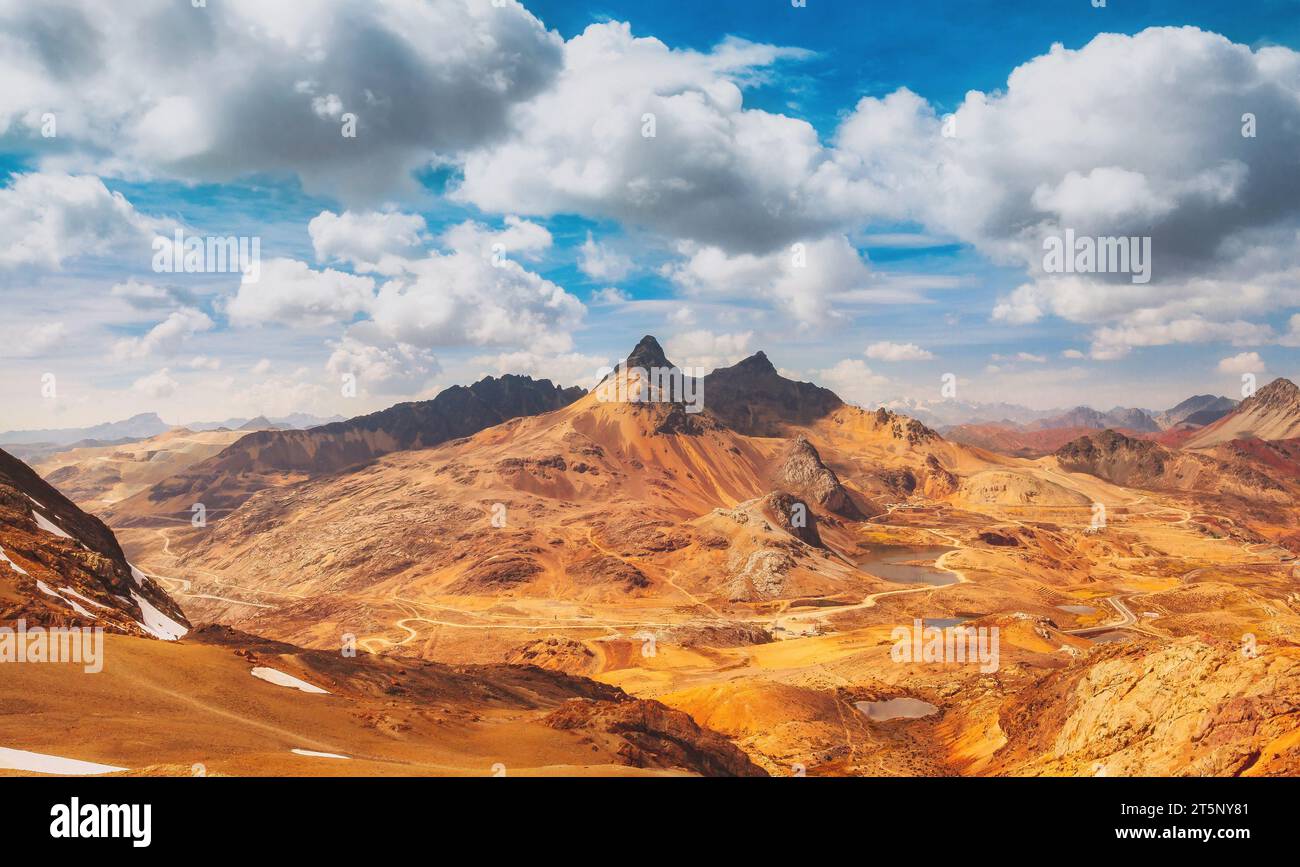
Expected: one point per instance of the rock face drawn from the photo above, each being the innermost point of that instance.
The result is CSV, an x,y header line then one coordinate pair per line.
x,y
265,459
802,472
62,567
656,736
1144,464
752,398
1185,709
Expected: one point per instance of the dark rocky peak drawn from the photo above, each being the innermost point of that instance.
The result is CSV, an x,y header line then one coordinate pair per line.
x,y
647,355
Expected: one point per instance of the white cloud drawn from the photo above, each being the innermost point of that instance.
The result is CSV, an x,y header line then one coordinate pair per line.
x,y
395,369
156,385
369,241
468,296
799,282
242,86
1161,155
853,381
289,292
888,351
564,369
165,338
48,219
704,349
599,262
1245,362
713,172
609,296
31,340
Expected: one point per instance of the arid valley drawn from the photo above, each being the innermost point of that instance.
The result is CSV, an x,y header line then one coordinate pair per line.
x,y
520,578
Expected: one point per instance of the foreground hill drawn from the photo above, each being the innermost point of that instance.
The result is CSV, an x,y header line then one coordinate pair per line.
x,y
62,567
274,458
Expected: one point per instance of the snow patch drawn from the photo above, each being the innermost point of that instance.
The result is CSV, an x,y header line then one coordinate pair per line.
x,y
49,526
140,577
68,590
156,623
44,588
279,678
317,755
21,760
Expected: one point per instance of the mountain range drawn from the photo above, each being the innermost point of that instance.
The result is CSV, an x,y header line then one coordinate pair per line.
x,y
597,585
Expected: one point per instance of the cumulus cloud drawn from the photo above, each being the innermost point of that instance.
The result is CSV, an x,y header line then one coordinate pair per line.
x,y
705,349
243,86
888,351
599,262
395,369
289,292
368,241
48,219
856,383
1161,155
165,338
156,385
801,281
1245,362
651,136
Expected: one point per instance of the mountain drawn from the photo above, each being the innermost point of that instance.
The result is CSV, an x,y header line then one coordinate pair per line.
x,y
1272,413
752,398
1012,440
137,427
951,412
62,567
1136,463
293,421
96,476
741,570
1198,410
1086,417
273,458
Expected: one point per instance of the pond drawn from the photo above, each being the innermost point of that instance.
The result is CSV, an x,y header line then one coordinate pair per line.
x,y
896,708
906,565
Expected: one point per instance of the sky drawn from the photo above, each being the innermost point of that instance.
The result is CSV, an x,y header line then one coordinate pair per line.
x,y
439,190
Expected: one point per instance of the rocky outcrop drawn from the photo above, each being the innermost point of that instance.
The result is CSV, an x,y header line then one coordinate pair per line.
x,y
656,736
62,567
801,471
1188,708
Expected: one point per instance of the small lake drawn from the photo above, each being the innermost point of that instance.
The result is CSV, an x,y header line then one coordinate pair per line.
x,y
896,708
1078,609
898,563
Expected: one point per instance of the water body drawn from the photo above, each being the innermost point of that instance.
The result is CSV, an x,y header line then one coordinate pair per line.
x,y
944,622
1078,609
898,563
896,708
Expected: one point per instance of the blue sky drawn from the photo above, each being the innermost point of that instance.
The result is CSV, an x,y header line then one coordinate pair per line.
x,y
921,244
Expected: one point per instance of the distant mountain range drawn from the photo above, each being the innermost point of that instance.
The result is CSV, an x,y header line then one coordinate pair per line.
x,y
149,424
945,415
